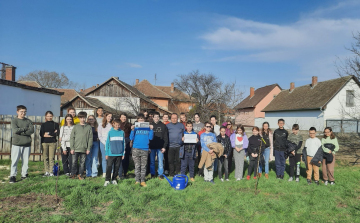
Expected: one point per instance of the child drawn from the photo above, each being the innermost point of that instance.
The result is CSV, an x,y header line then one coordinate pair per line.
x,y
312,146
48,133
115,152
267,135
141,138
103,130
72,112
81,140
22,128
280,138
188,152
255,142
65,132
239,142
328,167
295,156
224,159
92,157
206,138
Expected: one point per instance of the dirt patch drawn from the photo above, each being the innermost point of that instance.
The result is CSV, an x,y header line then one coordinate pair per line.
x,y
30,201
102,209
341,205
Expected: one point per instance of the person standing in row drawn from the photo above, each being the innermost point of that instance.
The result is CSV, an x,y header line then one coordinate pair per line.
x,y
165,119
215,126
175,130
100,115
267,135
183,119
22,129
72,112
330,146
224,159
255,144
239,142
280,138
229,132
188,152
206,138
65,133
166,154
103,130
48,132
295,156
197,124
126,127
92,157
312,146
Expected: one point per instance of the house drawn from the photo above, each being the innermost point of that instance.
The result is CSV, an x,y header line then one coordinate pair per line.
x,y
38,100
250,109
68,94
318,105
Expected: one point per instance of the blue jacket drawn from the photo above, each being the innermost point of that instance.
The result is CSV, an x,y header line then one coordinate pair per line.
x,y
175,133
115,143
141,138
207,138
192,145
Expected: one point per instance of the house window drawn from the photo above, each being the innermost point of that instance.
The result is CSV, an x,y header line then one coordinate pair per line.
x,y
81,104
350,98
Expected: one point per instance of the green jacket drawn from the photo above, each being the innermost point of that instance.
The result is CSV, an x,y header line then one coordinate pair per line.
x,y
296,139
332,141
81,138
21,131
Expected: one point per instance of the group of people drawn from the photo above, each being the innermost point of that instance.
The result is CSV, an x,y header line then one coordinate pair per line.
x,y
88,142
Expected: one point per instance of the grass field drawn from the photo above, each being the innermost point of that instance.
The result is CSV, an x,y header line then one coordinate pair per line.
x,y
34,199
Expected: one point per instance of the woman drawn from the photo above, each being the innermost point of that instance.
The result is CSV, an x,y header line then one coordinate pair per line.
x,y
239,143
267,135
103,131
330,146
48,132
92,157
65,132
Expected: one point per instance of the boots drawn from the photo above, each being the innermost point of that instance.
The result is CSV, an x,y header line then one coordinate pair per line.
x,y
266,176
259,175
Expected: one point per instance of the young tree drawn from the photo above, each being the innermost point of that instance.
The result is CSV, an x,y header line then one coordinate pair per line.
x,y
49,79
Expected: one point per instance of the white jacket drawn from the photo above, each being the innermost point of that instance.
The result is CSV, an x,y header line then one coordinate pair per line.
x,y
103,132
65,132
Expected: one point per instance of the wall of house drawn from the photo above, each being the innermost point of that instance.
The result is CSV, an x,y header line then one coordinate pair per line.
x,y
264,102
110,89
37,103
245,117
162,102
305,119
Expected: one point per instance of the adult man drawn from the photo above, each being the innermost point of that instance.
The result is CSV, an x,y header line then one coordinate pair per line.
x,y
126,127
158,145
176,130
197,124
216,127
100,115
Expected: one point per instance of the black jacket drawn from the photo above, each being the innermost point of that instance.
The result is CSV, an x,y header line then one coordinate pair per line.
x,y
266,138
315,160
290,146
226,143
161,137
254,146
49,127
280,138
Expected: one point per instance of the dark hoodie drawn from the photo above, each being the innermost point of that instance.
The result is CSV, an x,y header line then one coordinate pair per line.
x,y
50,127
280,139
160,139
226,143
254,146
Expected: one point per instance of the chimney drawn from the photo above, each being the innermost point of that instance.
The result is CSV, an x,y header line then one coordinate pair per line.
x,y
81,90
172,87
136,81
10,73
292,86
314,81
97,85
252,92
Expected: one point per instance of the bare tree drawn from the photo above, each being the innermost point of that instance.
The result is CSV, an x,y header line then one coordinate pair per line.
x,y
212,95
48,79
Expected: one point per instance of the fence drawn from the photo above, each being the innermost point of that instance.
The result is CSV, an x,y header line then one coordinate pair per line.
x,y
344,126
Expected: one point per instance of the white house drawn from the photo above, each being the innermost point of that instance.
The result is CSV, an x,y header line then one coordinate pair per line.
x,y
333,103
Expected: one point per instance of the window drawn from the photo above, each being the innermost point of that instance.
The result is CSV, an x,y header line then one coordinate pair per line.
x,y
81,104
350,98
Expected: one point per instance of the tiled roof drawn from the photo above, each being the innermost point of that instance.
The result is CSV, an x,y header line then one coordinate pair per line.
x,y
30,83
260,93
87,90
23,86
150,90
68,94
307,97
176,95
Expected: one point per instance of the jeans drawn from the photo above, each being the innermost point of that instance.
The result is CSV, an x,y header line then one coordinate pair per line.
x,y
160,158
266,164
18,152
253,167
74,166
174,161
124,167
280,162
103,158
188,161
66,160
92,160
223,162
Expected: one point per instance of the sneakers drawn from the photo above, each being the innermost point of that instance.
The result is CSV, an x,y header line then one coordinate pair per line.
x,y
259,175
332,183
297,179
106,183
143,184
47,174
12,180
192,179
277,176
255,177
51,175
222,180
326,183
137,182
316,182
67,174
281,177
238,179
161,177
227,179
212,181
291,179
308,181
166,172
248,177
26,176
114,182
104,175
266,176
80,177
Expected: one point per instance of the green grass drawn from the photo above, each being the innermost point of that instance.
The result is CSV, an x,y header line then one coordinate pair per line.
x,y
89,201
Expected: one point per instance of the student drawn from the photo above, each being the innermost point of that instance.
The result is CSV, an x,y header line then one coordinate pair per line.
x,y
188,152
267,135
158,145
103,131
200,170
255,142
65,132
48,133
166,119
141,138
239,142
183,119
206,138
92,157
21,128
224,159
197,126
215,126
329,141
229,132
312,145
166,155
115,151
72,112
295,156
175,130
126,127
100,115
280,137
81,140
